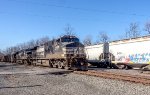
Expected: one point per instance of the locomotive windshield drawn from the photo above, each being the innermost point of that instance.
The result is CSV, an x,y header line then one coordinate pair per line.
x,y
69,39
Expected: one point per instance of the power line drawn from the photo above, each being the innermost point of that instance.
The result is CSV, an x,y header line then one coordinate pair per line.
x,y
83,9
58,18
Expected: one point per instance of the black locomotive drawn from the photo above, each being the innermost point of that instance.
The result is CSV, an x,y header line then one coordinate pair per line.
x,y
64,52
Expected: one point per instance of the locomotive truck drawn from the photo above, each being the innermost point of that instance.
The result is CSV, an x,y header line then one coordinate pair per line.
x,y
127,53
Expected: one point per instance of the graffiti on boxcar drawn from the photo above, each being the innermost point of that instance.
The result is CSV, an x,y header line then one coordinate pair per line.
x,y
140,58
133,58
120,56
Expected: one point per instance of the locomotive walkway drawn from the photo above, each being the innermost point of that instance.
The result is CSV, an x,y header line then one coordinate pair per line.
x,y
28,80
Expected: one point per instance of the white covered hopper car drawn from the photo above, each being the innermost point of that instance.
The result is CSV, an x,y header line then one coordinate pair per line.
x,y
125,53
98,54
133,52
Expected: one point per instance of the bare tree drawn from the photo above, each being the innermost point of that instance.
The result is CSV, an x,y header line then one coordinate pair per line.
x,y
14,49
26,45
23,46
31,44
37,42
11,50
102,37
147,27
7,51
69,30
87,41
1,55
17,48
1,52
133,31
43,40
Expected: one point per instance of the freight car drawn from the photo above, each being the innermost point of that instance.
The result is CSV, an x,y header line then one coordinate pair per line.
x,y
127,53
130,53
98,55
64,52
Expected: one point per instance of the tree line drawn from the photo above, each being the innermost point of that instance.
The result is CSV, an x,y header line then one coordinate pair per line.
x,y
68,30
25,45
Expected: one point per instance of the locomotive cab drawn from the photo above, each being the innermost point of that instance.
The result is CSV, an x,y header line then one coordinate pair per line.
x,y
66,52
71,46
73,50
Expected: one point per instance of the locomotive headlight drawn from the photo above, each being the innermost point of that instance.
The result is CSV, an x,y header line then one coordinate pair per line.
x,y
64,50
81,50
62,55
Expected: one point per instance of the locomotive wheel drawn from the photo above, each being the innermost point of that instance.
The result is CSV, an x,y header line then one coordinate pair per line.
x,y
54,64
66,67
60,65
29,63
25,62
34,64
50,64
84,66
123,66
63,64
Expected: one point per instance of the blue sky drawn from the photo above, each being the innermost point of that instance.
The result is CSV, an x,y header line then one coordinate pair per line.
x,y
24,20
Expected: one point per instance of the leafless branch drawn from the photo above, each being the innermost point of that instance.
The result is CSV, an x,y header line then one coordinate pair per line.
x,y
103,37
147,27
69,30
87,41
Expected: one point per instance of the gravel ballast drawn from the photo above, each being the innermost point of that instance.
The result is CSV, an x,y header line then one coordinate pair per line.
x,y
22,80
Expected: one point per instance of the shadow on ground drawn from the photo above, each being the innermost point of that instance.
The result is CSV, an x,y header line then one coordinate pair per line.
x,y
57,73
21,86
6,65
97,68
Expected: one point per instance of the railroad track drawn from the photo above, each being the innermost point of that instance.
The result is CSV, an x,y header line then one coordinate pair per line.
x,y
111,75
118,76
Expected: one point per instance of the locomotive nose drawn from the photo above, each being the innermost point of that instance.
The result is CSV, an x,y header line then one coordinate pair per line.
x,y
74,49
75,44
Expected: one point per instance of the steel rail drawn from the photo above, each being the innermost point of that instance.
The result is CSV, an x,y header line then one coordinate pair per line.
x,y
117,76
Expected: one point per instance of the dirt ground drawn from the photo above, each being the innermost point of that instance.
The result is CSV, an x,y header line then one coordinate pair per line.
x,y
28,80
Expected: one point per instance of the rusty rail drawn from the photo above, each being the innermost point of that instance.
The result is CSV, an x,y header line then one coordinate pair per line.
x,y
118,76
